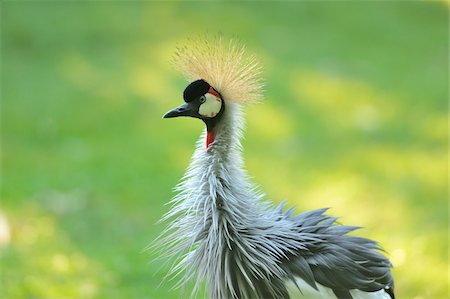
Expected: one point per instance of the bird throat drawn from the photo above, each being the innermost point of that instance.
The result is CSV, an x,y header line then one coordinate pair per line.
x,y
210,136
211,125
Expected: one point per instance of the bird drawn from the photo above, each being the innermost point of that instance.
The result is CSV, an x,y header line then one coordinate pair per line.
x,y
223,236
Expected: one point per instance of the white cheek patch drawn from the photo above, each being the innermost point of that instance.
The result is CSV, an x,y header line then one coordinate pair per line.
x,y
211,106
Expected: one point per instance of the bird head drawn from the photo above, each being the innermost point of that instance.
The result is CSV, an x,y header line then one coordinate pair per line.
x,y
201,101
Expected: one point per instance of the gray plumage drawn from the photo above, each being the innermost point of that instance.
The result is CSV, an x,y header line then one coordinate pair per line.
x,y
224,234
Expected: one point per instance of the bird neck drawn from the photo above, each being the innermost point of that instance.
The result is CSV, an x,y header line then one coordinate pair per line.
x,y
223,139
218,180
216,173
218,211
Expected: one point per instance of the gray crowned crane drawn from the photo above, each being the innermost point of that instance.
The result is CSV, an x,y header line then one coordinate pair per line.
x,y
222,234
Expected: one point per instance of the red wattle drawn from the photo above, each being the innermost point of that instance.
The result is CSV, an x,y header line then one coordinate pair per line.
x,y
210,138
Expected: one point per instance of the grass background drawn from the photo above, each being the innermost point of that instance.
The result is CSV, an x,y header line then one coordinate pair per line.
x,y
355,118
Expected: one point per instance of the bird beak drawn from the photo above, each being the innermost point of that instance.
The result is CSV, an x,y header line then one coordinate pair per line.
x,y
187,109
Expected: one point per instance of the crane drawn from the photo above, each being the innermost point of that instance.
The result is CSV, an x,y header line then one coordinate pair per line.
x,y
222,233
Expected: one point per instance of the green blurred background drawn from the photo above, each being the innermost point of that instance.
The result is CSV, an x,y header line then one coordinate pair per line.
x,y
355,118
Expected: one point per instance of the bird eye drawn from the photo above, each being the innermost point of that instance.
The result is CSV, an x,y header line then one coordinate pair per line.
x,y
202,99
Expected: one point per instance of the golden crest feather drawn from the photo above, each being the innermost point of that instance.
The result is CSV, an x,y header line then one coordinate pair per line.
x,y
224,65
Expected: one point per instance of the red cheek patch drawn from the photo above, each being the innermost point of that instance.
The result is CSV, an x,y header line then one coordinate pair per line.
x,y
213,92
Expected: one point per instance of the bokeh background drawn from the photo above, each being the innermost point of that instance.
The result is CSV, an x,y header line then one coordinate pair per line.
x,y
355,118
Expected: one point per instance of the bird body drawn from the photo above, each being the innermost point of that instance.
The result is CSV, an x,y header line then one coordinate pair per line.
x,y
224,234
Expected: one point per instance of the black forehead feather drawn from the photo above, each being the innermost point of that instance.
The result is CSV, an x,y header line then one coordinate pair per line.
x,y
195,90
